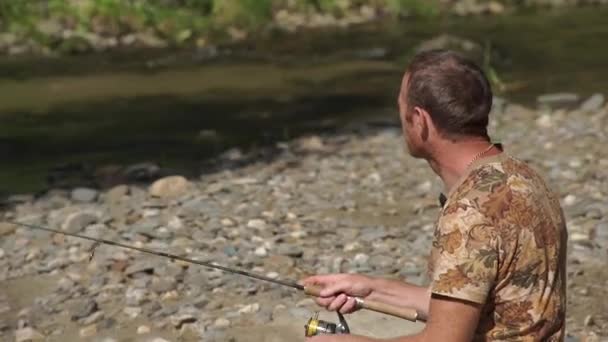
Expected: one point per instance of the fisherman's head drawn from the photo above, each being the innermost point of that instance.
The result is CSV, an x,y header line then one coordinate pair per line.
x,y
443,96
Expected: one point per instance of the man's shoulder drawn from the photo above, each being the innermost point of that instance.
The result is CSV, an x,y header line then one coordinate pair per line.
x,y
493,188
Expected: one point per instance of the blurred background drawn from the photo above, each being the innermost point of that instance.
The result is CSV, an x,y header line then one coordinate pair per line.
x,y
96,92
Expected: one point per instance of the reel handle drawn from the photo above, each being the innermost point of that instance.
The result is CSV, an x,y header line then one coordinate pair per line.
x,y
388,309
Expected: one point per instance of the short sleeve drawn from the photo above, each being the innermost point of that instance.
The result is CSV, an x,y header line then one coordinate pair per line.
x,y
464,256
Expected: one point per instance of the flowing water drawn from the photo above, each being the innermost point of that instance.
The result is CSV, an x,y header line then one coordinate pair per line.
x,y
178,108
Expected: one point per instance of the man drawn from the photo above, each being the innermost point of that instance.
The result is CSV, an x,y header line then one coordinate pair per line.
x,y
497,262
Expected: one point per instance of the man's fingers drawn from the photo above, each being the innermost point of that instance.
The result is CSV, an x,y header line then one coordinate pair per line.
x,y
335,288
337,303
349,306
324,301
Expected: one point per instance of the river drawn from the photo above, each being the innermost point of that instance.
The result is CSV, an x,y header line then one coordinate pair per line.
x,y
178,108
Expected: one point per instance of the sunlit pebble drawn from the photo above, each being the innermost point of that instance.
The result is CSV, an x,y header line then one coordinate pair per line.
x,y
569,200
272,275
1,253
548,145
575,163
143,329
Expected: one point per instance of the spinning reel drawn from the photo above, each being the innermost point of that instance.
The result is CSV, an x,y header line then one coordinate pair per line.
x,y
315,326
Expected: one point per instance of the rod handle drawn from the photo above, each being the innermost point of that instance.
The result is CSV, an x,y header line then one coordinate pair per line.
x,y
372,305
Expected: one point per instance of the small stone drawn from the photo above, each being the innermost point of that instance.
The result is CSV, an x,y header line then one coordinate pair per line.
x,y
589,321
251,308
179,319
82,308
88,331
226,222
1,253
143,329
291,251
117,193
132,311
257,224
593,103
544,121
361,259
569,200
221,323
352,246
7,229
76,222
158,339
84,195
190,331
161,285
272,275
261,252
94,318
169,187
28,334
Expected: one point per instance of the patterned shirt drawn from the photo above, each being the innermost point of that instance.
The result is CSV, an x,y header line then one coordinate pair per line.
x,y
500,241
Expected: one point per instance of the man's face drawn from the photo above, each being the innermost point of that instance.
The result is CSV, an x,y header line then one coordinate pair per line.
x,y
412,136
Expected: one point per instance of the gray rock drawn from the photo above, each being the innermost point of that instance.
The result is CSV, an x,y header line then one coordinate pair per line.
x,y
94,318
593,103
76,222
382,262
82,308
135,297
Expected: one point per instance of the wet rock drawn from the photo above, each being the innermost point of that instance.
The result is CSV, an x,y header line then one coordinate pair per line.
x,y
169,187
76,222
28,334
84,195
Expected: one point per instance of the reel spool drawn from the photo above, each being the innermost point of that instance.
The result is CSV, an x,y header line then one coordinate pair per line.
x,y
315,326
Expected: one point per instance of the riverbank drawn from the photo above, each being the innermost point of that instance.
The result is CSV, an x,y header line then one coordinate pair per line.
x,y
338,202
64,27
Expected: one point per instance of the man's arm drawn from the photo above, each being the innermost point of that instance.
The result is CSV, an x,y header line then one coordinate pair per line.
x,y
340,288
450,319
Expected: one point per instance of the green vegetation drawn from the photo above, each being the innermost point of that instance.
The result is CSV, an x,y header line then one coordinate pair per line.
x,y
176,20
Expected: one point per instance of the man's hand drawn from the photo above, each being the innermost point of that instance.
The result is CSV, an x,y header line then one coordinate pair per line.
x,y
339,290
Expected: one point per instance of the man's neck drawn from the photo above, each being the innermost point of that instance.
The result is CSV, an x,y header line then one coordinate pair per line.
x,y
450,159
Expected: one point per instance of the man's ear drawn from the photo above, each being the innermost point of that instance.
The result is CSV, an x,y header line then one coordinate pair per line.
x,y
422,122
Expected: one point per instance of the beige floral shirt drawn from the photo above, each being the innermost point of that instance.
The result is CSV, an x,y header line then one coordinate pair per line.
x,y
500,241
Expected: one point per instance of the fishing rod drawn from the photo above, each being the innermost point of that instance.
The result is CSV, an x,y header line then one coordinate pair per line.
x,y
314,325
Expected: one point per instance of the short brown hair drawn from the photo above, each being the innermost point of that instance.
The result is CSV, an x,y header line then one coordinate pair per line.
x,y
453,89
